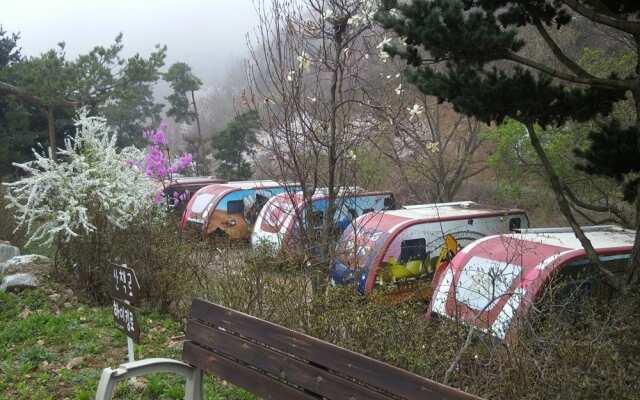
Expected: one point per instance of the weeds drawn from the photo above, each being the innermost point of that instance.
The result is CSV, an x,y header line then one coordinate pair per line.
x,y
37,345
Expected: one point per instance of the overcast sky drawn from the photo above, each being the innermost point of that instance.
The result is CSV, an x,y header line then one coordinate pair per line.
x,y
207,34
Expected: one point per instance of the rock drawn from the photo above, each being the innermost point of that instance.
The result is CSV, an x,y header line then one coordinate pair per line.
x,y
8,251
68,293
24,314
31,263
67,305
75,362
138,384
17,282
54,297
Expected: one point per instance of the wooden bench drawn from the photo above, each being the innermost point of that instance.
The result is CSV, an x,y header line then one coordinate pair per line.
x,y
277,363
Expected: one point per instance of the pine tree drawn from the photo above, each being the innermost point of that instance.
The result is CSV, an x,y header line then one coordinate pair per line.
x,y
233,143
469,53
183,107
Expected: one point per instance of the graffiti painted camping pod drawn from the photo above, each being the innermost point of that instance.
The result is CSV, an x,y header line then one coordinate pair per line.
x,y
493,283
178,192
404,245
229,209
278,224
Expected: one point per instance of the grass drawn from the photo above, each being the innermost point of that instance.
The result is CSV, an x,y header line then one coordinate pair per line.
x,y
39,340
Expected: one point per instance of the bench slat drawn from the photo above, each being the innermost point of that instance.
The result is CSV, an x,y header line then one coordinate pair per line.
x,y
240,375
374,373
296,372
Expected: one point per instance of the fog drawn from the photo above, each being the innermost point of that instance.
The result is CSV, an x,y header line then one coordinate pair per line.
x,y
208,35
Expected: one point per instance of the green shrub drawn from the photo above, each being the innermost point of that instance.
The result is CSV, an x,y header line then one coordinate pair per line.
x,y
165,264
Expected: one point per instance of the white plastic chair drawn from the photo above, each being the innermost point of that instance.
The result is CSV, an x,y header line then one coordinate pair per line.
x,y
110,377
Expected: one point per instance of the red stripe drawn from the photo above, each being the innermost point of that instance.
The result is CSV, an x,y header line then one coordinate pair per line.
x,y
373,270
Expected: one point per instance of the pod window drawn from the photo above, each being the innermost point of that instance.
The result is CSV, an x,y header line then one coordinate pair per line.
x,y
235,207
413,249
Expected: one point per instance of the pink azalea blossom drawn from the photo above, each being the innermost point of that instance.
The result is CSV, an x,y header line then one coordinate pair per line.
x,y
157,163
158,197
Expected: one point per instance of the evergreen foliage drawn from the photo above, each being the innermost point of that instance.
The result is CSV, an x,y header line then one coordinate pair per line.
x,y
119,88
184,83
466,52
614,153
9,50
19,129
235,141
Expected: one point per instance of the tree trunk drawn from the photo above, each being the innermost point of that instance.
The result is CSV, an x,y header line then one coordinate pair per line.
x,y
200,149
195,111
633,274
565,208
51,121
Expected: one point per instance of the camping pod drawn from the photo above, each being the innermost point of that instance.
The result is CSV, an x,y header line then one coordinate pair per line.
x,y
493,283
180,189
283,219
404,245
229,209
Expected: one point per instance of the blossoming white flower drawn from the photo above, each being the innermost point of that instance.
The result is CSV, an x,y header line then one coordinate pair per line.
x,y
384,56
312,99
417,109
290,75
61,199
399,89
356,20
365,13
385,41
394,12
304,61
351,155
433,147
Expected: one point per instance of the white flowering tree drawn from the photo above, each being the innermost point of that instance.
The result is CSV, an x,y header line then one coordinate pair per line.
x,y
92,184
308,73
433,150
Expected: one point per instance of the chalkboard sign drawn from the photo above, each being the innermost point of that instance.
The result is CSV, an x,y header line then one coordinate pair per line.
x,y
126,320
125,285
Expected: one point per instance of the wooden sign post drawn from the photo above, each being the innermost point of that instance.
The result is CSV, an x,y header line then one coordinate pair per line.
x,y
124,292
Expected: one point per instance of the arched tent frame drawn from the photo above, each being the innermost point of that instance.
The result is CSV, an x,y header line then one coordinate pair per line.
x,y
533,262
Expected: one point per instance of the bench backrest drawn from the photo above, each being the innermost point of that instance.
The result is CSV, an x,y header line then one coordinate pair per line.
x,y
277,363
